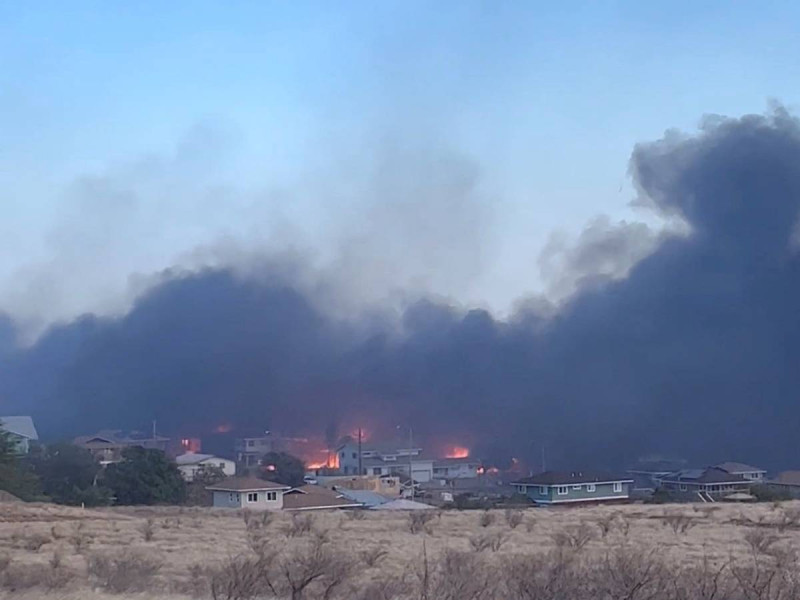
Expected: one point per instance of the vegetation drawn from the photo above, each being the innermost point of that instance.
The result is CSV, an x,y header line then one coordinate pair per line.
x,y
284,468
145,476
16,475
68,475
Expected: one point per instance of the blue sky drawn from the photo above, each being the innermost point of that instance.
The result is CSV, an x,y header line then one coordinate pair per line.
x,y
238,120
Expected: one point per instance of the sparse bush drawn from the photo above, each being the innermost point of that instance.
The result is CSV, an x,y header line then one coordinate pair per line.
x,y
119,572
680,523
315,568
259,520
35,541
420,520
765,493
760,541
575,537
789,518
485,541
356,514
513,517
240,578
454,576
605,523
148,529
486,519
300,525
372,556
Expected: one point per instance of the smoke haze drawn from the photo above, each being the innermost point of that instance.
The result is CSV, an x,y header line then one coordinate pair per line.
x,y
681,341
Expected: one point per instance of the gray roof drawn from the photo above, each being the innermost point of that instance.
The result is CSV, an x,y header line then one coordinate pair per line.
x,y
403,504
22,426
456,461
366,497
191,458
703,476
569,478
246,484
736,468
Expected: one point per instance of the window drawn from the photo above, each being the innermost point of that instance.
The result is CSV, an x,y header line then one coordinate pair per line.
x,y
683,487
590,487
272,496
232,497
355,455
376,470
521,489
222,466
576,487
617,487
252,496
250,443
543,490
342,455
563,490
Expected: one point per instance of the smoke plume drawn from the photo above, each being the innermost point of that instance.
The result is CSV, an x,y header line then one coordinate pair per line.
x,y
684,344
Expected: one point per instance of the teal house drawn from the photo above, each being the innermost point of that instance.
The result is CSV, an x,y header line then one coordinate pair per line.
x,y
569,487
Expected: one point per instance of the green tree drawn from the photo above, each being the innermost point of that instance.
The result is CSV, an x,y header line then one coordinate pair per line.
x,y
145,476
196,493
69,475
282,467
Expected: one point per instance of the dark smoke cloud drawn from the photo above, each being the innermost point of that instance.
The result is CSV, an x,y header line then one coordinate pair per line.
x,y
693,353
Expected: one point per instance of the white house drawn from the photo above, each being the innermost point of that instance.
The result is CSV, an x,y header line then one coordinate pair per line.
x,y
456,468
382,460
22,431
248,492
191,463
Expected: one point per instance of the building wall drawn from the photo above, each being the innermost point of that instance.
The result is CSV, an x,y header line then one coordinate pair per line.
x,y
190,471
456,471
23,444
576,493
224,499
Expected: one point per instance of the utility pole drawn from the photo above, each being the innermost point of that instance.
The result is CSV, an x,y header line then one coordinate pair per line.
x,y
154,429
360,464
411,461
544,467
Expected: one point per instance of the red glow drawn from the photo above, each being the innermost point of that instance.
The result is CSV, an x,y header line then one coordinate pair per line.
x,y
223,428
457,452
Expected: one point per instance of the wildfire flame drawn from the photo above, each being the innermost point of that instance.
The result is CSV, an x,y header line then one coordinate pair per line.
x,y
457,452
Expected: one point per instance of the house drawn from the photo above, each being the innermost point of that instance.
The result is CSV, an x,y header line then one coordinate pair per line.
x,y
365,498
704,484
747,471
190,464
384,459
22,431
568,487
107,445
786,482
248,492
314,497
456,468
386,485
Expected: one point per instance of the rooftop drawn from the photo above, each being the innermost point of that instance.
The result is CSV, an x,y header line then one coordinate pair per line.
x,y
246,484
311,497
736,468
702,476
193,458
570,477
21,426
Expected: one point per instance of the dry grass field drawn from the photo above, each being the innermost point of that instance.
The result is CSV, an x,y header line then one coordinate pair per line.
x,y
632,551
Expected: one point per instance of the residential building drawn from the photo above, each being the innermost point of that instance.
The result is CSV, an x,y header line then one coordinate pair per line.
x,y
314,497
107,445
786,482
384,459
387,485
456,468
21,430
569,487
749,472
248,492
191,463
704,484
365,498
250,450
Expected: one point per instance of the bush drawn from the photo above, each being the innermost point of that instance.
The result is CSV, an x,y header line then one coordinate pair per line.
x,y
765,493
372,556
486,518
300,525
148,529
486,541
513,517
420,520
123,571
240,578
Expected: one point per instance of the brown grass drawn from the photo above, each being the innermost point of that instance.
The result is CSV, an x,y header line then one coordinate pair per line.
x,y
54,547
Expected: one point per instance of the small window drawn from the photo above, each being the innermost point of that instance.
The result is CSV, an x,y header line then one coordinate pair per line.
x,y
683,487
252,496
232,497
590,487
617,487
543,490
521,489
576,487
563,490
272,496
250,443
221,465
376,470
342,455
355,455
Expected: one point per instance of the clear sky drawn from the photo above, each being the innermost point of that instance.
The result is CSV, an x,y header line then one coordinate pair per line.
x,y
136,136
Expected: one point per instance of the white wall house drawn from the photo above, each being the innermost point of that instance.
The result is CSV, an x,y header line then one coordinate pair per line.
x,y
191,463
248,492
386,459
456,468
22,431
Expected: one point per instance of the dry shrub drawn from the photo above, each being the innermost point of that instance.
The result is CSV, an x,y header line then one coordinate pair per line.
x,y
486,519
454,576
300,525
574,537
632,574
257,520
23,576
606,523
240,578
356,514
372,556
317,569
420,520
79,539
148,529
552,576
680,523
789,518
123,571
513,517
387,587
760,541
34,541
487,541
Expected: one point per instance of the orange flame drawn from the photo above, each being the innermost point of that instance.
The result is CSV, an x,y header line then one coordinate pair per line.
x,y
457,452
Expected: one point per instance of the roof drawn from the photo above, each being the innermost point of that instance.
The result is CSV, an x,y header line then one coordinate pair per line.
x,y
736,468
703,476
402,504
192,458
365,497
21,426
787,478
456,461
246,484
570,477
314,497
